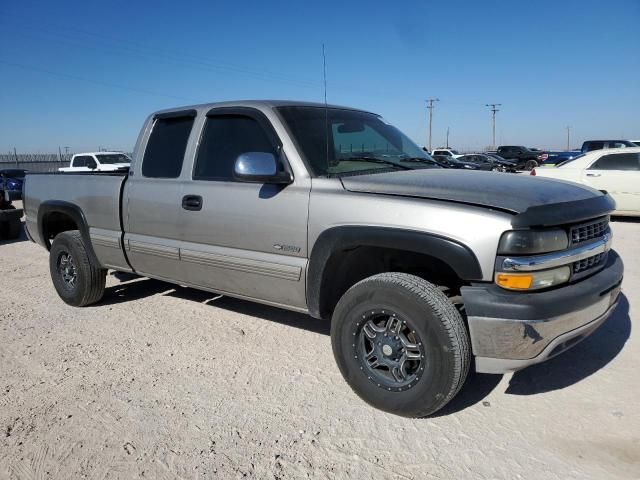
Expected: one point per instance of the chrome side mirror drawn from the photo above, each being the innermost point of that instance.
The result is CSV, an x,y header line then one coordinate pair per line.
x,y
259,167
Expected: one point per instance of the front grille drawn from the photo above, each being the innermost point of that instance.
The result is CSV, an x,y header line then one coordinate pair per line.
x,y
588,231
587,263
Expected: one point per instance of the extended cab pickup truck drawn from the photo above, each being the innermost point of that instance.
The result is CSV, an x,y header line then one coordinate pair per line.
x,y
333,212
525,158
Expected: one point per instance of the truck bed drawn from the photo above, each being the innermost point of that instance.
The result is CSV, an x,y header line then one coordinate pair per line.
x,y
94,196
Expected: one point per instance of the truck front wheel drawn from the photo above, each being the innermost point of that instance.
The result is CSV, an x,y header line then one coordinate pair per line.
x,y
78,281
400,344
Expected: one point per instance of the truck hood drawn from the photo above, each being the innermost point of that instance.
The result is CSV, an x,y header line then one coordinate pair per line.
x,y
533,201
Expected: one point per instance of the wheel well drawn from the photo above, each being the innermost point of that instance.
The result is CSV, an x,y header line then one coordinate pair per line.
x,y
345,268
54,223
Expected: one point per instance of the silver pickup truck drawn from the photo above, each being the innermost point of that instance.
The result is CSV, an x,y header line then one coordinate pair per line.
x,y
333,212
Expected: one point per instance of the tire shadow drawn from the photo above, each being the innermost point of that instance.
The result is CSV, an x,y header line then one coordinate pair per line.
x,y
581,361
475,389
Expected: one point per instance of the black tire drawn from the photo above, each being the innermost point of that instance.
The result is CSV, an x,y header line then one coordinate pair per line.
x,y
88,286
13,229
431,318
7,227
530,165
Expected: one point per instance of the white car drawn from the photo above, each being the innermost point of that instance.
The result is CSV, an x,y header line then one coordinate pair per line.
x,y
615,171
97,162
447,152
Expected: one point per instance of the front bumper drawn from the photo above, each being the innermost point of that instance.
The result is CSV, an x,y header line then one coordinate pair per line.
x,y
512,330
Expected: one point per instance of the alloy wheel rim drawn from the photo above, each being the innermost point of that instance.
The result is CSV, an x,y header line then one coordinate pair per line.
x,y
389,350
67,270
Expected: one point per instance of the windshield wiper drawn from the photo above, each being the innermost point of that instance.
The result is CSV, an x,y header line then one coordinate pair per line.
x,y
374,160
428,161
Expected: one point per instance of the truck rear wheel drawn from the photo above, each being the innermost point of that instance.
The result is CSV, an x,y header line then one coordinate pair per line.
x,y
530,165
78,281
400,344
10,229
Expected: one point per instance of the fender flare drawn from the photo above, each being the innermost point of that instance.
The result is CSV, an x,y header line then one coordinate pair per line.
x,y
72,211
455,254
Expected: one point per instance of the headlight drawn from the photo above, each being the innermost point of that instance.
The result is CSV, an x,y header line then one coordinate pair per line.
x,y
533,280
522,242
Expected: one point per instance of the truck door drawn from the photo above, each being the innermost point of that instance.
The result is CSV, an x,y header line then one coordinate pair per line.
x,y
153,196
247,239
619,175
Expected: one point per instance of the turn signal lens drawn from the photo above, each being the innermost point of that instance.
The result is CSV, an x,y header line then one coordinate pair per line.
x,y
514,281
533,280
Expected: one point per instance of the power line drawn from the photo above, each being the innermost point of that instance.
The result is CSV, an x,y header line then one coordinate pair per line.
x,y
430,107
140,50
97,82
493,111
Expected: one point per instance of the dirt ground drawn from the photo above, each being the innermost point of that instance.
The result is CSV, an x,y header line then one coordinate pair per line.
x,y
158,381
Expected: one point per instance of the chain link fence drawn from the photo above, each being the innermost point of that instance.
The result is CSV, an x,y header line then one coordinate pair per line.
x,y
35,162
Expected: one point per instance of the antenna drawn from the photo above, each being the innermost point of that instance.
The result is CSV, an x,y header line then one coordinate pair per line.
x,y
326,108
324,74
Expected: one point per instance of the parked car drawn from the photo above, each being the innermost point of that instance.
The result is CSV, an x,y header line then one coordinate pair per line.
x,y
614,171
591,145
418,269
555,158
489,162
447,152
10,223
97,161
11,182
524,158
451,162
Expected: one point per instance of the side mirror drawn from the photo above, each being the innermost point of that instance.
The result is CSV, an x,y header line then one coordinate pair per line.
x,y
259,167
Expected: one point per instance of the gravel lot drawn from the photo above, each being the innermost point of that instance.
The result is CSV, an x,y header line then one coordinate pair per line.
x,y
159,381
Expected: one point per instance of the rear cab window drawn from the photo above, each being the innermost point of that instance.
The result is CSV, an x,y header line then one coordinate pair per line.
x,y
167,144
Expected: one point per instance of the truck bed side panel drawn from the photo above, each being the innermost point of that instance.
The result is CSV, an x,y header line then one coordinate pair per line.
x,y
97,196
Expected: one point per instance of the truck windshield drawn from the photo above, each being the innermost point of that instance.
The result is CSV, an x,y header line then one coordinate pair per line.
x,y
112,158
339,142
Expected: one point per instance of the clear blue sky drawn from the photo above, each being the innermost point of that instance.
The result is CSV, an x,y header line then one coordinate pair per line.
x,y
85,74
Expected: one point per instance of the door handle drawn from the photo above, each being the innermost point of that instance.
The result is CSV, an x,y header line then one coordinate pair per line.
x,y
593,174
192,202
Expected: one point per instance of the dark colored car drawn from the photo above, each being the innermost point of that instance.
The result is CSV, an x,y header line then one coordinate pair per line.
x,y
450,162
524,158
556,158
590,145
11,180
489,162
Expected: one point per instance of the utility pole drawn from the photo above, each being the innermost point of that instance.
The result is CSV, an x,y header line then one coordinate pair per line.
x,y
430,107
447,137
493,111
568,137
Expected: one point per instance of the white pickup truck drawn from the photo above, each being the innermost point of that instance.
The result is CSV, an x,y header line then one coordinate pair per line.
x,y
97,162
